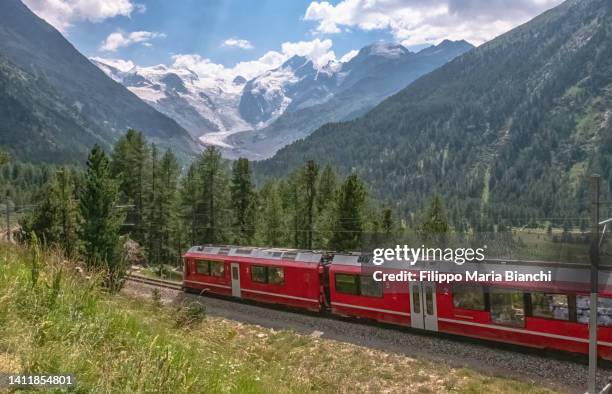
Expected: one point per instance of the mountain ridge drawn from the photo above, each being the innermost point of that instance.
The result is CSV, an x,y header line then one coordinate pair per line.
x,y
519,120
255,117
377,71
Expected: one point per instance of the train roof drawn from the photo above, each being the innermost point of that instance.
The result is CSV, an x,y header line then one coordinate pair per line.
x,y
302,256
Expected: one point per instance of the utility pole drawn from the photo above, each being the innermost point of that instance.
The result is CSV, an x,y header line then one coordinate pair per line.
x,y
8,218
594,283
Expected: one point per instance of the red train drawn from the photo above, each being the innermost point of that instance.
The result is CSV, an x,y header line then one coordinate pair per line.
x,y
552,314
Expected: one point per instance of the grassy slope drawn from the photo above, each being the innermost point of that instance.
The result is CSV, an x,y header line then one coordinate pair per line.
x,y
113,343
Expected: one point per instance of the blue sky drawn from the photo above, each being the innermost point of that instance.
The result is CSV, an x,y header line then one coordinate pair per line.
x,y
201,27
258,34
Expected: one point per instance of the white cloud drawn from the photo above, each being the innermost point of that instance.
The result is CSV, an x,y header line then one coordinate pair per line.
x,y
237,43
426,21
119,39
348,56
253,68
328,27
63,13
249,69
119,64
317,50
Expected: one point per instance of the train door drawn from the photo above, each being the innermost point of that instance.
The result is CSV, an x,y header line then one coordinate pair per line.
x,y
235,268
185,268
423,311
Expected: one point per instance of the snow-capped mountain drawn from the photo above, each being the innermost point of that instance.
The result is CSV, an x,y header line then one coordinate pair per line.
x,y
297,83
257,117
201,104
338,92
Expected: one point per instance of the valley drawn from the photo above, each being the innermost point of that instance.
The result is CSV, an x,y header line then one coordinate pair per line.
x,y
268,155
256,118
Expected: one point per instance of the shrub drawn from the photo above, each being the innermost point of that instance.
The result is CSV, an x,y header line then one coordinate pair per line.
x,y
190,315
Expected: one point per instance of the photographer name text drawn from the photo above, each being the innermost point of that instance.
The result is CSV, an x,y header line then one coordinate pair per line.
x,y
467,276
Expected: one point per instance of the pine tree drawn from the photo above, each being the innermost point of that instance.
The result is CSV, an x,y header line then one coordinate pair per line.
x,y
348,227
166,206
286,192
68,212
327,190
101,219
42,222
387,221
189,194
128,166
55,219
212,205
296,216
161,209
435,224
151,215
243,201
271,217
309,176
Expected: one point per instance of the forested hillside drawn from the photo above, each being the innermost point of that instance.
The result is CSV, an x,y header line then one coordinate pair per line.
x,y
55,104
36,125
509,130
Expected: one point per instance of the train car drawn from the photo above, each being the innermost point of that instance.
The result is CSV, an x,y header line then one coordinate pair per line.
x,y
354,292
278,276
543,314
552,313
207,270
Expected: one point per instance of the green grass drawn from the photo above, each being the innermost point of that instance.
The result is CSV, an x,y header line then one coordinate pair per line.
x,y
58,321
168,272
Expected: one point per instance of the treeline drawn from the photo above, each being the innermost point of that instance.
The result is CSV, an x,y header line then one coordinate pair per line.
x,y
20,183
142,194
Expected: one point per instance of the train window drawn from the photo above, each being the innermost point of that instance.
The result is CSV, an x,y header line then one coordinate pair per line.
x,y
276,275
369,287
582,309
258,274
416,299
507,307
217,268
346,284
202,267
271,275
429,300
604,310
469,297
551,306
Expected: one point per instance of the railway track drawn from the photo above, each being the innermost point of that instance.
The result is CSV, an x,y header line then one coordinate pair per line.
x,y
167,284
